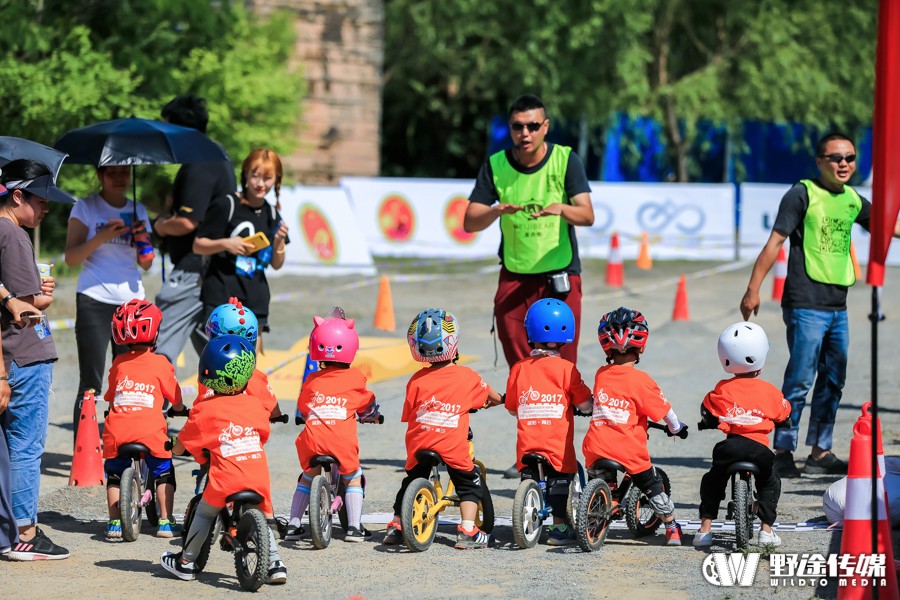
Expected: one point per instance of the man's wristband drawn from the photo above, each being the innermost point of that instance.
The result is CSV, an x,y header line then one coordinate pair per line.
x,y
7,299
4,377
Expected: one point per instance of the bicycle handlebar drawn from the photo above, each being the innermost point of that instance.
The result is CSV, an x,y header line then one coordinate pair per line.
x,y
701,425
299,420
171,412
282,418
682,434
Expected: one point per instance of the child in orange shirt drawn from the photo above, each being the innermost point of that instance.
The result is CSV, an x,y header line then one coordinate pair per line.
x,y
140,382
331,401
746,409
437,405
624,399
541,392
233,427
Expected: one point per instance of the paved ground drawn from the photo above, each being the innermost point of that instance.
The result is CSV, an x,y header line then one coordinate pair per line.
x,y
680,355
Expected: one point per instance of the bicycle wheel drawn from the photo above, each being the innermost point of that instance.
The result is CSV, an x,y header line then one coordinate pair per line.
x,y
527,524
484,518
320,512
251,557
593,515
130,504
743,513
574,494
203,557
639,515
416,519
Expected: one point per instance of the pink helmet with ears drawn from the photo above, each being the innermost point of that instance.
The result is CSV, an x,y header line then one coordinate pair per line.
x,y
333,339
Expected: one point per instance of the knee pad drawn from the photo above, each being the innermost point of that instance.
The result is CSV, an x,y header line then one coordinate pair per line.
x,y
167,477
559,486
661,504
113,480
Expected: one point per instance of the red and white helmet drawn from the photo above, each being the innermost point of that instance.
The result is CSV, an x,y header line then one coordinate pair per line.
x,y
136,322
333,339
623,329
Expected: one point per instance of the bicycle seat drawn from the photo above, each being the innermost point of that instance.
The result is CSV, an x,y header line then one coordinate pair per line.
x,y
608,463
322,461
429,457
533,460
245,497
743,466
132,449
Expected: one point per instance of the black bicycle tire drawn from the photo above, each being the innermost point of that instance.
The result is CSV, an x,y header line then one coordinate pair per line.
x,y
520,522
130,504
320,527
743,524
252,537
406,515
595,499
635,499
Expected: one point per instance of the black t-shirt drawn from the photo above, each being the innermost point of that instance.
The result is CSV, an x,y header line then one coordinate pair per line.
x,y
576,182
799,290
228,217
194,188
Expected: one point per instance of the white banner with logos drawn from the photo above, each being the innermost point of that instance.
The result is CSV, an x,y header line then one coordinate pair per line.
x,y
759,207
326,237
682,221
418,217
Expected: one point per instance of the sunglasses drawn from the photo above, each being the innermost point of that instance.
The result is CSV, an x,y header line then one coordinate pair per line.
x,y
838,158
532,127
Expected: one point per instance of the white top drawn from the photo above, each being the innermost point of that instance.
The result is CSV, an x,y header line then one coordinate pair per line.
x,y
109,275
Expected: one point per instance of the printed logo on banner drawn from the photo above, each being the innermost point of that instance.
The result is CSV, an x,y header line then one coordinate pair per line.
x,y
318,233
603,217
396,218
454,214
727,570
653,217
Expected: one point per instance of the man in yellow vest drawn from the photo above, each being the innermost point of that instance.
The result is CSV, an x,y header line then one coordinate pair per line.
x,y
540,192
817,215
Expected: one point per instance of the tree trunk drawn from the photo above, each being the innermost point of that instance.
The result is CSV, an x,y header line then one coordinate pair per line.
x,y
677,143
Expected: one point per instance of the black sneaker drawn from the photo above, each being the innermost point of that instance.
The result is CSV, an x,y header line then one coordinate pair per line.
x,y
293,534
829,464
354,534
40,547
512,473
784,466
171,562
394,536
471,541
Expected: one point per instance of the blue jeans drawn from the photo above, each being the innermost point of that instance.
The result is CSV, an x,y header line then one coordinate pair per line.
x,y
818,341
25,427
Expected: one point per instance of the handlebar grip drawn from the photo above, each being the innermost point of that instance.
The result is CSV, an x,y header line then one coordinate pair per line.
x,y
171,412
579,413
299,420
168,445
380,420
655,425
702,425
282,418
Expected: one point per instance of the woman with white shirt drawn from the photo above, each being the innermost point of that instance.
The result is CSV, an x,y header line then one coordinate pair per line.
x,y
99,237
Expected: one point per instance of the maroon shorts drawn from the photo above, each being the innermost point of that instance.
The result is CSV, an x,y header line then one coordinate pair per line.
x,y
515,293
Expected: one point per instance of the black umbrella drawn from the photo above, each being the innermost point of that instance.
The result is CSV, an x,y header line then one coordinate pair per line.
x,y
14,148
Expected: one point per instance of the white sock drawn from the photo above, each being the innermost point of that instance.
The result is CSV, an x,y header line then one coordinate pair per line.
x,y
354,499
467,525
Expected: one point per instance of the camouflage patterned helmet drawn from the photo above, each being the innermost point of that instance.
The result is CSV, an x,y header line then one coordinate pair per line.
x,y
227,364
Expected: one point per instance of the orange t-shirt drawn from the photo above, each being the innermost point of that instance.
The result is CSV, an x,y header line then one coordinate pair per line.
x,y
542,391
139,385
329,401
624,398
437,410
233,429
747,406
258,387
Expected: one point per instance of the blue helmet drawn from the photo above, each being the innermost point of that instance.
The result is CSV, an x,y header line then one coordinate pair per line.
x,y
550,320
232,319
227,364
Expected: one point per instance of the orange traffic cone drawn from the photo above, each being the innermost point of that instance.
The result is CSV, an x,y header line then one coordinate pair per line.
x,y
856,268
857,537
680,311
779,274
615,274
87,461
644,261
384,309
882,470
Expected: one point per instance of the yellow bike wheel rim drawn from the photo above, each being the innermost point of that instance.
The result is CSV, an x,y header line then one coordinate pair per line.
x,y
423,521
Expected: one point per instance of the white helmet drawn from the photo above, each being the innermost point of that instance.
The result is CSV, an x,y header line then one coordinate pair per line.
x,y
743,348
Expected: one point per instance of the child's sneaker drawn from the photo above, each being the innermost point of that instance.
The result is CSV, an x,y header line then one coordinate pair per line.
x,y
673,534
470,541
769,538
294,533
164,530
354,534
561,535
703,540
114,530
277,573
394,534
171,562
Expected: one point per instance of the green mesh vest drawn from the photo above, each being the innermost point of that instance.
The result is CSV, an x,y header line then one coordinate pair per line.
x,y
534,245
826,234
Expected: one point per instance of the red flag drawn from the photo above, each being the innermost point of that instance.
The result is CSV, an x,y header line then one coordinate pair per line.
x,y
885,133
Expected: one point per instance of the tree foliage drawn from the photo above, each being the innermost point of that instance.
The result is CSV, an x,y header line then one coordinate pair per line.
x,y
450,66
70,63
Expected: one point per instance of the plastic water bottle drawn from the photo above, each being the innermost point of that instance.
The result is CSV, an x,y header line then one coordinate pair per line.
x,y
144,246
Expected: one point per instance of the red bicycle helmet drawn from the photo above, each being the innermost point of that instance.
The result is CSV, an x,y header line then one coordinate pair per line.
x,y
622,330
136,322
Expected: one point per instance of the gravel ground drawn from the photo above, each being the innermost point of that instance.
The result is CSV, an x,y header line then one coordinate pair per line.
x,y
681,356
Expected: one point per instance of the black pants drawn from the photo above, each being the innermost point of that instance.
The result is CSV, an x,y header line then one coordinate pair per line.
x,y
467,483
737,448
558,486
93,336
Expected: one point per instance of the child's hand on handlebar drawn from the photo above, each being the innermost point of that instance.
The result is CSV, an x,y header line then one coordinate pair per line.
x,y
178,410
681,432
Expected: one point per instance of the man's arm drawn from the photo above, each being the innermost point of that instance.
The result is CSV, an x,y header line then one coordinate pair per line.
x,y
765,260
580,212
480,216
174,225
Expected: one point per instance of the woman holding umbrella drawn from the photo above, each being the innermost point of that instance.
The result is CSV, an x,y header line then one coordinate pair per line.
x,y
100,236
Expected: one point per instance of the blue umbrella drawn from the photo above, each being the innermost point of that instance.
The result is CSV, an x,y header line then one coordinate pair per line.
x,y
134,141
14,148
